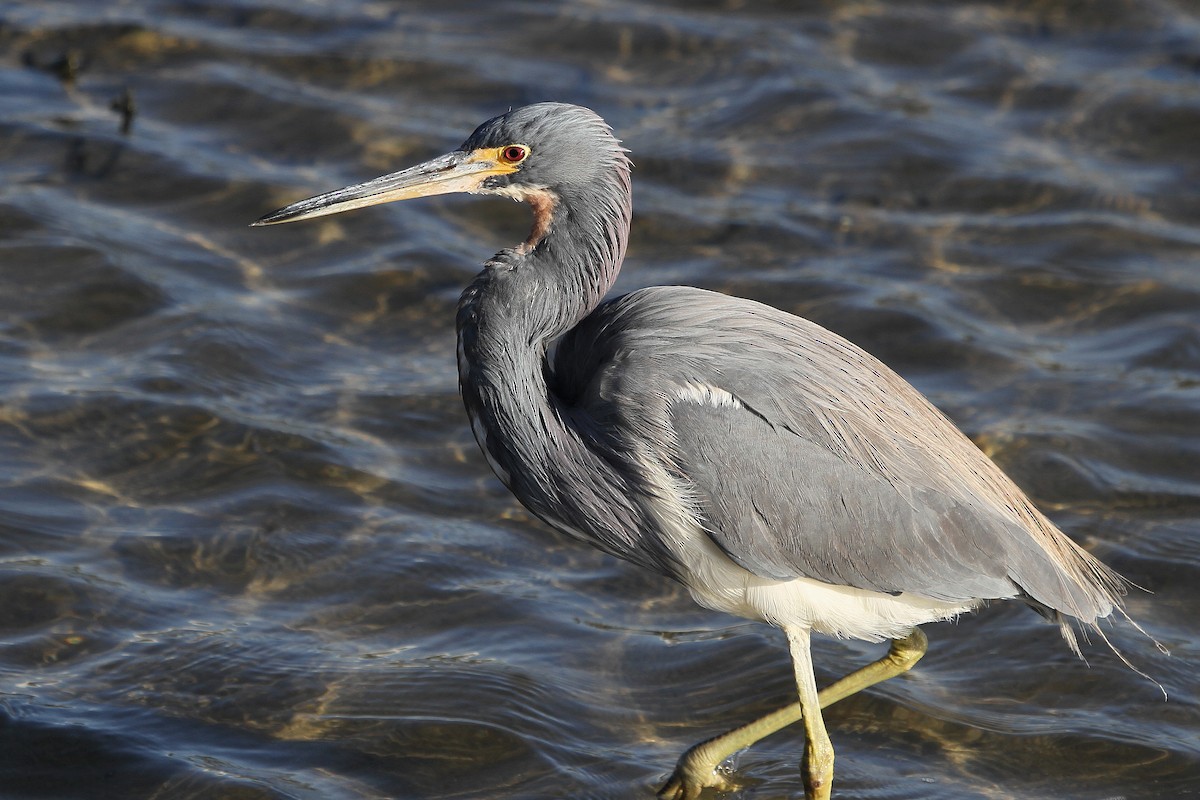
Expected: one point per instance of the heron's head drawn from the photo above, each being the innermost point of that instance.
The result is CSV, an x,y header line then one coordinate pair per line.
x,y
536,153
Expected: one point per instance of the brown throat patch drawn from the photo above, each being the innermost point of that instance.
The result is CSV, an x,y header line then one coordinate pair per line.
x,y
542,201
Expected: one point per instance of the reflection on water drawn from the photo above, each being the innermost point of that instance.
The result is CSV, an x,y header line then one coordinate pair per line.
x,y
247,545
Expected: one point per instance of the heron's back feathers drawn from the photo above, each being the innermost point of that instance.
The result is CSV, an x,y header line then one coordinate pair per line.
x,y
804,456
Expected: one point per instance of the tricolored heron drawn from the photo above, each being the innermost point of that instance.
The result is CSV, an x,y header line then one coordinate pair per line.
x,y
773,468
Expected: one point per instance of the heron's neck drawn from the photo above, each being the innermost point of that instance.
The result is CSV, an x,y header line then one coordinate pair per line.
x,y
544,286
528,296
523,301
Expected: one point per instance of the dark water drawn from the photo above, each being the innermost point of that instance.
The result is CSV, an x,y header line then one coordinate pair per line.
x,y
248,548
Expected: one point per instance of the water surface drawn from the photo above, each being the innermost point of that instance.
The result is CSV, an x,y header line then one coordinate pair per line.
x,y
248,548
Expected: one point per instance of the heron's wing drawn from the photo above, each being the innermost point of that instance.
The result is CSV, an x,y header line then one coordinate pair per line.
x,y
805,456
781,506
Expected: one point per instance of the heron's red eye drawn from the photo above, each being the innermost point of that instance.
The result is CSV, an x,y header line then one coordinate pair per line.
x,y
513,154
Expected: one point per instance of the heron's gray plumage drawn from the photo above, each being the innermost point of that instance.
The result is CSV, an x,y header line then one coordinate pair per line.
x,y
552,456
826,451
772,467
834,468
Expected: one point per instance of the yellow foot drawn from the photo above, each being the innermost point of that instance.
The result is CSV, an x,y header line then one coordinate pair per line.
x,y
817,771
817,789
684,785
696,771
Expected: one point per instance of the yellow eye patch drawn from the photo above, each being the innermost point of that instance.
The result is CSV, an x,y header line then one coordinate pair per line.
x,y
504,160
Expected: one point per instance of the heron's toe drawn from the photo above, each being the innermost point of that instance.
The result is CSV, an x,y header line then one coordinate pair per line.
x,y
691,778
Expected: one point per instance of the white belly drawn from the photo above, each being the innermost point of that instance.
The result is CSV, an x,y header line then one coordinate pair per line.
x,y
716,582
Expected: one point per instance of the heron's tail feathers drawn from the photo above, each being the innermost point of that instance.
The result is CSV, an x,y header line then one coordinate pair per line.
x,y
1068,634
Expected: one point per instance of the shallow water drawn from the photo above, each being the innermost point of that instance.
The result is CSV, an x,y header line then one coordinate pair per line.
x,y
248,548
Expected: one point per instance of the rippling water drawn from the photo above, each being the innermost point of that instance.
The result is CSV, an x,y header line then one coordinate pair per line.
x,y
248,548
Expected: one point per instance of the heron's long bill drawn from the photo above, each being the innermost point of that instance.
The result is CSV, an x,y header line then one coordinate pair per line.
x,y
459,171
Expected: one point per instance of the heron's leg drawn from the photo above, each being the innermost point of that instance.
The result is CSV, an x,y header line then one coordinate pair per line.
x,y
817,766
900,658
697,768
